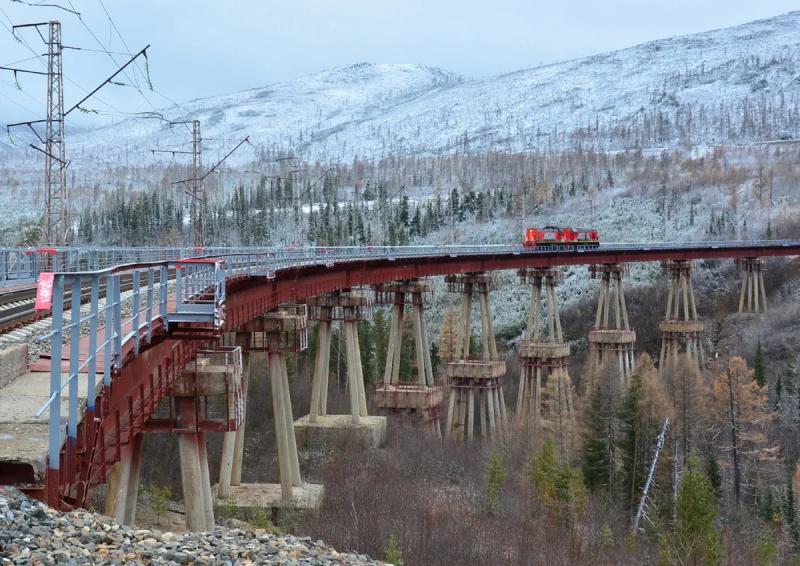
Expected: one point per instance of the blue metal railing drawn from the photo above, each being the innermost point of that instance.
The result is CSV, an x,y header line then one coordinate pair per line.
x,y
198,296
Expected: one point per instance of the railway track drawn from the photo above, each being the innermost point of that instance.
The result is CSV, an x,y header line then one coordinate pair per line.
x,y
16,308
18,319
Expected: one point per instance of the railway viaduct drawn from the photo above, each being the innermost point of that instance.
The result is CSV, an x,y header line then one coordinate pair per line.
x,y
161,341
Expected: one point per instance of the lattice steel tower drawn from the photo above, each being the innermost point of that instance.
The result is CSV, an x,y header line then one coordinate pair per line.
x,y
198,195
55,179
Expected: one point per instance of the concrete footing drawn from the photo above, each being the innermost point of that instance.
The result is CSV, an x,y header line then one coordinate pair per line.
x,y
369,432
248,499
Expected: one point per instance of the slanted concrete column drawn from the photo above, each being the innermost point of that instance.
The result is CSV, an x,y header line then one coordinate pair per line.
x,y
230,472
347,308
280,331
123,489
238,450
545,388
194,469
276,334
475,378
226,465
294,461
319,387
753,296
681,329
318,428
418,398
276,362
611,338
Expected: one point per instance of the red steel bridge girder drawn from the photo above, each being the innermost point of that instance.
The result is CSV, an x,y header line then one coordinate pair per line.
x,y
125,406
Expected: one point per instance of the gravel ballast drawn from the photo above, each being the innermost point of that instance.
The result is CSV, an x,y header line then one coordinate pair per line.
x,y
33,533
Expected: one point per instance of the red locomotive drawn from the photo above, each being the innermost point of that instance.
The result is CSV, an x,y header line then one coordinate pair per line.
x,y
561,237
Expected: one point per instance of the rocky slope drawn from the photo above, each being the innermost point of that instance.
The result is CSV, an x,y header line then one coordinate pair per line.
x,y
32,533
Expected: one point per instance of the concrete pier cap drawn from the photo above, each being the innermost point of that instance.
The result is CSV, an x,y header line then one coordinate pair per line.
x,y
369,432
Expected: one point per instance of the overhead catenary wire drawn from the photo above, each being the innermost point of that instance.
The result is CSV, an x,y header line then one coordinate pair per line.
x,y
39,57
20,39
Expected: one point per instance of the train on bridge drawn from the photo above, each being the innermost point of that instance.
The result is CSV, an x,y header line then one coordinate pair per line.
x,y
561,237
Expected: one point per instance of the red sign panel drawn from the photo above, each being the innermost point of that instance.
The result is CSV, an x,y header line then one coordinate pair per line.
x,y
44,292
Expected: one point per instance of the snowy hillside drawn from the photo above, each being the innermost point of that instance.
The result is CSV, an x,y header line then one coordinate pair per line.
x,y
735,85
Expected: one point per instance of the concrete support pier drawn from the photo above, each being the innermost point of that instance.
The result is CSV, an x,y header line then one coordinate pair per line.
x,y
230,470
476,384
318,427
611,339
278,333
206,396
545,395
123,485
753,296
194,469
681,329
418,399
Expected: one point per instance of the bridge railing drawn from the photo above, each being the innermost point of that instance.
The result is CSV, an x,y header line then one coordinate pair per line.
x,y
25,264
169,288
127,321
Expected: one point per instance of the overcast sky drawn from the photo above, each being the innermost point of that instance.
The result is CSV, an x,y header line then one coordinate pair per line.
x,y
202,48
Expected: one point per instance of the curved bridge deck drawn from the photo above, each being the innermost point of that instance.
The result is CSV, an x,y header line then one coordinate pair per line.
x,y
109,381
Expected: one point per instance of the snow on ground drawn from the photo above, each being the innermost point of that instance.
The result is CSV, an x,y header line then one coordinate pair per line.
x,y
619,219
379,110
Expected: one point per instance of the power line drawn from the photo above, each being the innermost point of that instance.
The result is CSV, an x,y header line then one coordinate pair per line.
x,y
42,5
20,61
106,50
41,60
25,43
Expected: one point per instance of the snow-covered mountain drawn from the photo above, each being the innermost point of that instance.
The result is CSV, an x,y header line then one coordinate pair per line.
x,y
737,84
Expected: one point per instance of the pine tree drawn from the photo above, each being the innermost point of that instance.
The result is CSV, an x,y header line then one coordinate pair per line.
x,y
741,411
596,458
495,477
366,344
714,472
641,418
380,326
694,538
559,486
790,510
759,373
393,555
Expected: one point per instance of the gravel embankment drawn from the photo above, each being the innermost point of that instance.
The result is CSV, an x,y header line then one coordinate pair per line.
x,y
33,533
